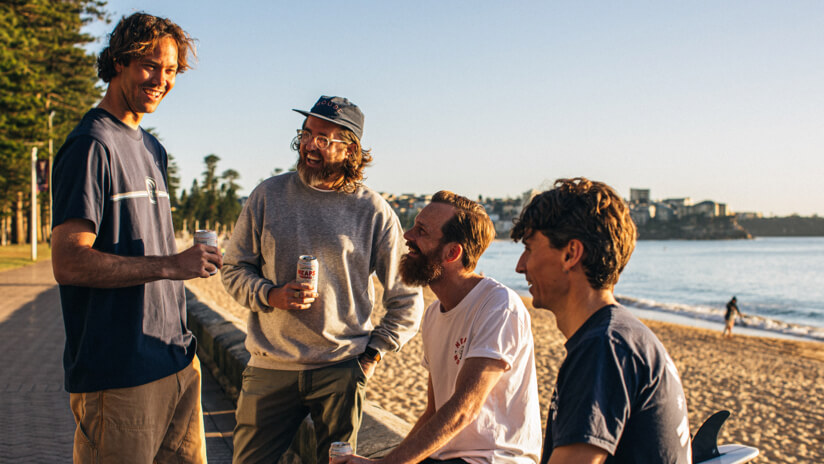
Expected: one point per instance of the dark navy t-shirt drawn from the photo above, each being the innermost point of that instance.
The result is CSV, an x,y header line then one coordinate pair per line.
x,y
115,177
619,390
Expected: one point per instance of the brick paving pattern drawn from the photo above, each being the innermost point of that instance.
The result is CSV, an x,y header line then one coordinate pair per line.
x,y
36,424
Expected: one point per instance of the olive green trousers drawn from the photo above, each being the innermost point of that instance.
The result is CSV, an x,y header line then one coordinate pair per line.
x,y
273,403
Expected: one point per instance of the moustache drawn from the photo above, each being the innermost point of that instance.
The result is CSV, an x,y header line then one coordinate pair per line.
x,y
315,153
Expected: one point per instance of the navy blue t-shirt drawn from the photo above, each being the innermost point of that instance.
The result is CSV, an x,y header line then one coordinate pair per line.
x,y
115,177
619,390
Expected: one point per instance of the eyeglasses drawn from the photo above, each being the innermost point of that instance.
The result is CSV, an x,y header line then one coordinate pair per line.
x,y
321,141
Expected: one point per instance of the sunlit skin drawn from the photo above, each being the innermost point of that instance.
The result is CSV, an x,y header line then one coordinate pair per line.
x,y
424,238
421,265
558,282
139,88
544,269
425,235
316,158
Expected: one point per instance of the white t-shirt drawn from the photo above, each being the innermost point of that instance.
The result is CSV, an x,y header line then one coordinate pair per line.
x,y
490,322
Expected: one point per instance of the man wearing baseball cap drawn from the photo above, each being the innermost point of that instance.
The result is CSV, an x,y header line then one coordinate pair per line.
x,y
313,349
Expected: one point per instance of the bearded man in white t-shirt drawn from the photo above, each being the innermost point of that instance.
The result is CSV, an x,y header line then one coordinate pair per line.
x,y
482,392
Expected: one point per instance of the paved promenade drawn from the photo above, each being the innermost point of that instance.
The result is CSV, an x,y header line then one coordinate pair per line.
x,y
36,424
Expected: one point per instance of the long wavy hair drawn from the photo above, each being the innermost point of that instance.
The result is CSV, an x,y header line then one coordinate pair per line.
x,y
137,36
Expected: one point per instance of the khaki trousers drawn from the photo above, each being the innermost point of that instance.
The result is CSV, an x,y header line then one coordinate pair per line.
x,y
161,421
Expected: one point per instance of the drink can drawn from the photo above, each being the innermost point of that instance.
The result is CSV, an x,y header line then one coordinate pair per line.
x,y
208,238
340,448
308,271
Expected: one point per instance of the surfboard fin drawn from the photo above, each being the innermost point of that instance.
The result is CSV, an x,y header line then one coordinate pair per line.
x,y
705,441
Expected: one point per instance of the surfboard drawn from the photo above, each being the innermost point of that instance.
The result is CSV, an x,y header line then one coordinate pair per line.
x,y
733,454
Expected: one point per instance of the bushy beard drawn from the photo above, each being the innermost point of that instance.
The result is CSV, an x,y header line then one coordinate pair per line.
x,y
327,173
422,269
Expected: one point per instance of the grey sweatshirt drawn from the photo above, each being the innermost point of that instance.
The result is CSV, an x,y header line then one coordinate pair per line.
x,y
352,235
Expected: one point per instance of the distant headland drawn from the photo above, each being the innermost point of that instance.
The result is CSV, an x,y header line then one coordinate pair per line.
x,y
668,219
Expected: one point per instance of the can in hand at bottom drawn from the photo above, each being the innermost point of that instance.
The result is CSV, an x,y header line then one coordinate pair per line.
x,y
340,448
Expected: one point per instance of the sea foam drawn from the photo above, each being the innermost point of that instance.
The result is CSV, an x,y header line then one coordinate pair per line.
x,y
710,314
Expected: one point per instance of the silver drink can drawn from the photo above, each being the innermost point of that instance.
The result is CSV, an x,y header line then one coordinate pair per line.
x,y
340,448
308,271
208,238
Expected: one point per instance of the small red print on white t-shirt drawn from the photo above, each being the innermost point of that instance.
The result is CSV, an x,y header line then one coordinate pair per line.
x,y
459,348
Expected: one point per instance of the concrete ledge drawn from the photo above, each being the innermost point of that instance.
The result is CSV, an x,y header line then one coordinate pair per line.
x,y
220,342
221,346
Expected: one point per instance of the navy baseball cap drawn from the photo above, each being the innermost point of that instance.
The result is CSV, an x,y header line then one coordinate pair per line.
x,y
338,110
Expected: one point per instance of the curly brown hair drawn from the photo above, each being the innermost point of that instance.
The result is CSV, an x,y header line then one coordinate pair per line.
x,y
354,164
590,212
136,36
470,226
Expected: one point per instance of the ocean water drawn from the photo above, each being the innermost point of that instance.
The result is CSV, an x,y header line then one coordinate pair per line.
x,y
779,282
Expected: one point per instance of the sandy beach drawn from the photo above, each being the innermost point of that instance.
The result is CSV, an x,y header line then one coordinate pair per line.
x,y
773,388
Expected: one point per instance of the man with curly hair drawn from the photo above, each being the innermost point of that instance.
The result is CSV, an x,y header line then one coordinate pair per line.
x,y
130,363
618,397
313,349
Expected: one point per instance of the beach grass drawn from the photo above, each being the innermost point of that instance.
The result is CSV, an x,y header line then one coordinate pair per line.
x,y
14,256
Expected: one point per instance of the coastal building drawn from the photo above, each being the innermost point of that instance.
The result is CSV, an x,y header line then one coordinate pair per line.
x,y
706,208
639,196
664,211
709,208
745,215
641,214
681,206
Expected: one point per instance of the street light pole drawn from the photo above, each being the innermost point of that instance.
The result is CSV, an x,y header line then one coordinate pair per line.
x,y
33,222
51,161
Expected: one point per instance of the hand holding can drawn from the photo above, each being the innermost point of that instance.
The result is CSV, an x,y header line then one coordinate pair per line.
x,y
208,238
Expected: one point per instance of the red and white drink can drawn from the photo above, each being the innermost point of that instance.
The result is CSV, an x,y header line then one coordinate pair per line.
x,y
340,448
308,271
208,238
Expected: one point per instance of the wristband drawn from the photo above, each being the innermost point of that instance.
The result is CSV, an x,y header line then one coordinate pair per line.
x,y
371,353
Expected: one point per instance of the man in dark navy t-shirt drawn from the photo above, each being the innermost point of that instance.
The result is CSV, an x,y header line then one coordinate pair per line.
x,y
129,361
618,397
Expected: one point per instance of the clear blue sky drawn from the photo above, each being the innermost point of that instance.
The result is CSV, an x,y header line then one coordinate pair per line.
x,y
701,99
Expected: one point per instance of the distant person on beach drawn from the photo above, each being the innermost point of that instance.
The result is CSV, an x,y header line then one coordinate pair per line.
x,y
313,349
477,341
130,364
729,317
618,397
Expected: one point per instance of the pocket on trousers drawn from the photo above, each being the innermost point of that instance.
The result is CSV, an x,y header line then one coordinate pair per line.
x,y
84,450
81,437
360,374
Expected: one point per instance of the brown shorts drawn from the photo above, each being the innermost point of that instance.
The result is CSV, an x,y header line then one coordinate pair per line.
x,y
160,421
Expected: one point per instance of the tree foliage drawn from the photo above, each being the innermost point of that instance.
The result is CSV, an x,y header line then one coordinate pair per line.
x,y
44,74
213,200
